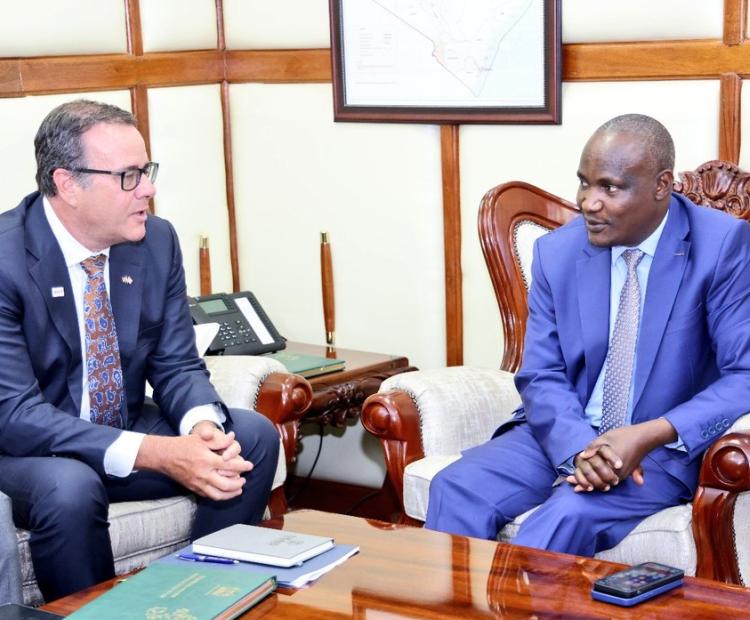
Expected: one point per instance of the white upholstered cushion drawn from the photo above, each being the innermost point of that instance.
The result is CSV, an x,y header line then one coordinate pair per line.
x,y
525,233
460,407
417,478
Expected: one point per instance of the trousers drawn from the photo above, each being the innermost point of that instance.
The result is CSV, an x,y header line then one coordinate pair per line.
x,y
499,480
64,503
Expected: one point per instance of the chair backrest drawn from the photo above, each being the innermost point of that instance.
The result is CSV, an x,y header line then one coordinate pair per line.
x,y
513,215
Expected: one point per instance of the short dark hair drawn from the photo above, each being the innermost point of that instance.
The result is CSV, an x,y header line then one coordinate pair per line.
x,y
654,137
58,141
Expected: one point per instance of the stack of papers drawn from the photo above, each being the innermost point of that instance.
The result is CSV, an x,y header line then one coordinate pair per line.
x,y
293,577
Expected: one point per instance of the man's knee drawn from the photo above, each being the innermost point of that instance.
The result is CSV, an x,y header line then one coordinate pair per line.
x,y
256,434
74,490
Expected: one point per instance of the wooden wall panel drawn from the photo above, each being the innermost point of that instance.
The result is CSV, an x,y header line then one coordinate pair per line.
x,y
728,59
454,320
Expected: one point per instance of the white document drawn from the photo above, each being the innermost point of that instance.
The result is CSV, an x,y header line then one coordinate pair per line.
x,y
204,336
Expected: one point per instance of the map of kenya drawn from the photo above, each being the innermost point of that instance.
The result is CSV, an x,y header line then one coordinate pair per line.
x,y
466,35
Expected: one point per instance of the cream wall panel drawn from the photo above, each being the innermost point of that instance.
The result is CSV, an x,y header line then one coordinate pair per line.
x,y
187,141
375,187
19,120
588,21
281,24
173,25
52,27
548,156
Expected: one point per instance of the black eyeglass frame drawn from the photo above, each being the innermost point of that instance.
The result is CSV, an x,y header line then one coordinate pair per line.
x,y
150,169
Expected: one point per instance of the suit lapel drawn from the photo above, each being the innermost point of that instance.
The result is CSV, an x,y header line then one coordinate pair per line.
x,y
665,277
593,272
50,274
126,279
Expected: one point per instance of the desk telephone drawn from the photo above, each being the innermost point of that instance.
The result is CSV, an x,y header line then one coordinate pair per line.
x,y
245,328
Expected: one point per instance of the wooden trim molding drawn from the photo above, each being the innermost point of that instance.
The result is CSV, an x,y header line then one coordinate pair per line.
x,y
134,32
654,60
229,175
667,60
730,118
301,66
735,17
449,150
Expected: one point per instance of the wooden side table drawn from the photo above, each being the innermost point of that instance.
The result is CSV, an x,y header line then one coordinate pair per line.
x,y
338,396
337,399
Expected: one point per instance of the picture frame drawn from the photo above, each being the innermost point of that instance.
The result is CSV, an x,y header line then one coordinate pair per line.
x,y
446,61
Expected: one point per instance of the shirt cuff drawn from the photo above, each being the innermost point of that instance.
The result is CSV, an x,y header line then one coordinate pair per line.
x,y
677,445
201,413
119,458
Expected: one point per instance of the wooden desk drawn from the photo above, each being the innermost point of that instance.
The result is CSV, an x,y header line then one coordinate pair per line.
x,y
407,572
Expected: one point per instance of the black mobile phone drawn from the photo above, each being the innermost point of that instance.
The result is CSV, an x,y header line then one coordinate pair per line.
x,y
636,584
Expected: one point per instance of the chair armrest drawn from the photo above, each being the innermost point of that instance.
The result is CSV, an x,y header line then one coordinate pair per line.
x,y
263,384
725,473
394,419
440,411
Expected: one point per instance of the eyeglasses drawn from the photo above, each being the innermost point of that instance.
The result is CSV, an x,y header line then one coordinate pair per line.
x,y
130,178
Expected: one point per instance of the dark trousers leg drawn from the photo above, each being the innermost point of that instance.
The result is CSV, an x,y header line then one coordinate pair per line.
x,y
260,445
64,504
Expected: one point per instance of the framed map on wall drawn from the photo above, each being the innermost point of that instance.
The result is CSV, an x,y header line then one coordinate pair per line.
x,y
446,61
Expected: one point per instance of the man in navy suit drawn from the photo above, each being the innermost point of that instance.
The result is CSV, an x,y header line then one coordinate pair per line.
x,y
60,469
686,381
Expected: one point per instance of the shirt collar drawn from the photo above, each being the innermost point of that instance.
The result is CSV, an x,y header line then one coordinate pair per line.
x,y
73,251
647,246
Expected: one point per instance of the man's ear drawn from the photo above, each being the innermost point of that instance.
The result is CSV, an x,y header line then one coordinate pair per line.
x,y
66,184
664,184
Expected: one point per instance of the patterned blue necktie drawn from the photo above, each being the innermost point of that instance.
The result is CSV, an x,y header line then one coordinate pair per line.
x,y
102,349
621,355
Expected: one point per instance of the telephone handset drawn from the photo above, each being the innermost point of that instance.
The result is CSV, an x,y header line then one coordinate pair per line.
x,y
244,327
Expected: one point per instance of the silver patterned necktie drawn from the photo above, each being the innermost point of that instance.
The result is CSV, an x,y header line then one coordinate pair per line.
x,y
621,355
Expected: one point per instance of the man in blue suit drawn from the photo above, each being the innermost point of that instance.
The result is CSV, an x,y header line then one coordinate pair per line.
x,y
61,464
637,357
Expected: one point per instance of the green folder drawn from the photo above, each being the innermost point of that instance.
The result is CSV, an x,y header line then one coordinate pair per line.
x,y
307,365
197,590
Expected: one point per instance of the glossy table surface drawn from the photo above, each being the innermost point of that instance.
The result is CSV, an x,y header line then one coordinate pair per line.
x,y
406,572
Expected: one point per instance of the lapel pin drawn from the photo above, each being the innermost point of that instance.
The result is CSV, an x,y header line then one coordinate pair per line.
x,y
58,291
127,280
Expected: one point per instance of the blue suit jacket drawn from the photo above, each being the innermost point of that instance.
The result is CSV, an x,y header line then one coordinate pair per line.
x,y
41,371
693,351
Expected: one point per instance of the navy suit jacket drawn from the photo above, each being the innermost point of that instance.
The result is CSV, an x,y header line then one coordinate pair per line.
x,y
693,352
41,368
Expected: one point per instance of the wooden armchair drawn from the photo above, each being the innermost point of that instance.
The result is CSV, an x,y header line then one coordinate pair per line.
x,y
425,419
